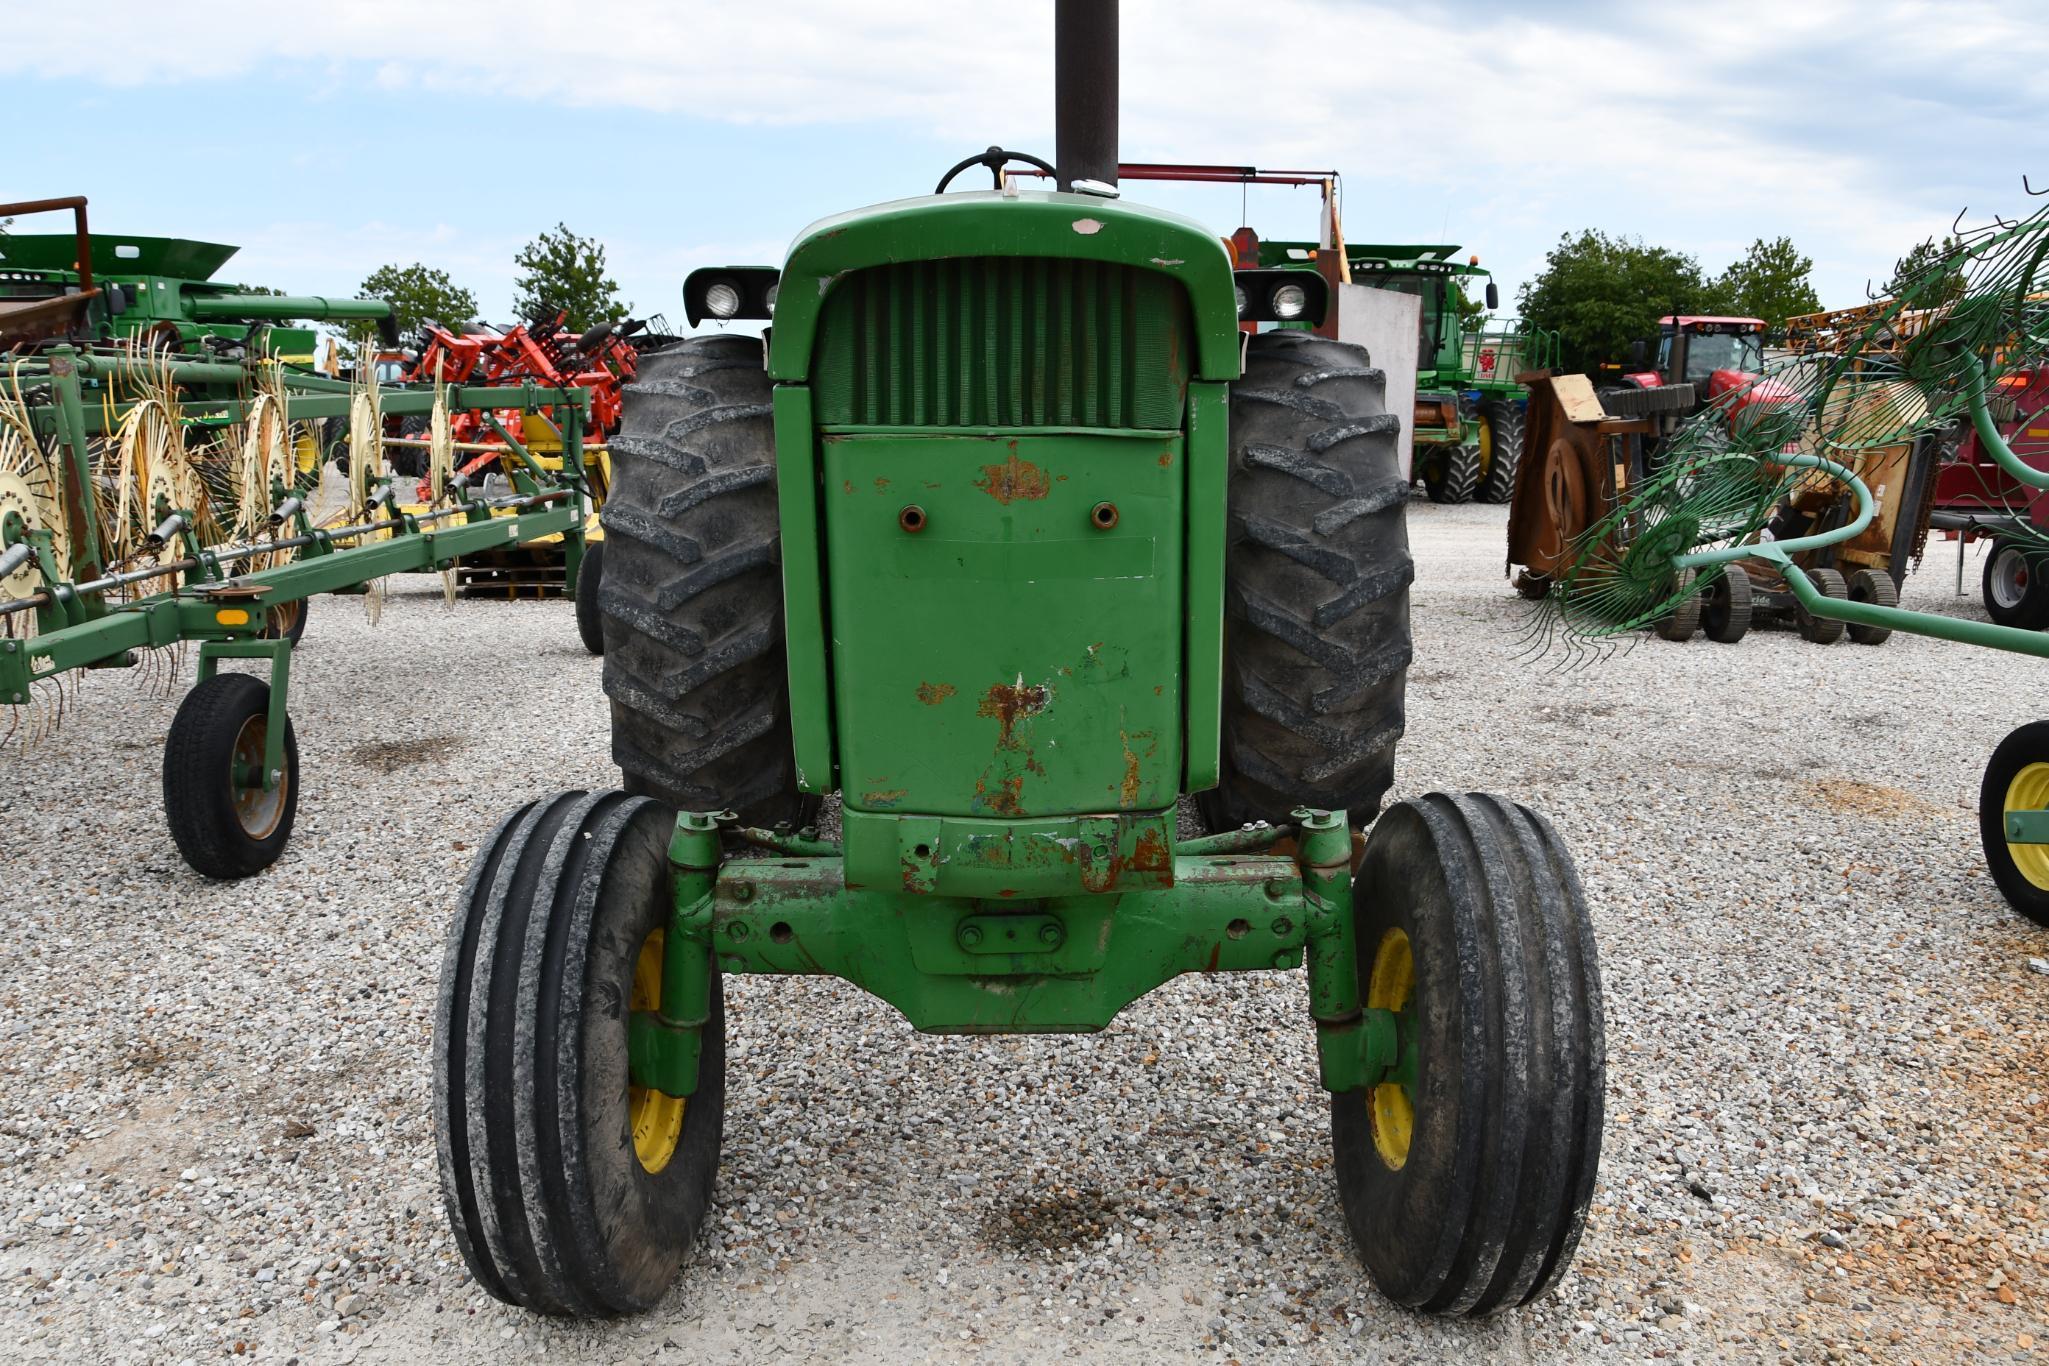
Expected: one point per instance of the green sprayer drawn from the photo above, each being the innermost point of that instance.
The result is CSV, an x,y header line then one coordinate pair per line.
x,y
1011,538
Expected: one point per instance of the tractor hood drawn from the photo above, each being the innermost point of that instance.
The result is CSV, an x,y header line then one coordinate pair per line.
x,y
992,223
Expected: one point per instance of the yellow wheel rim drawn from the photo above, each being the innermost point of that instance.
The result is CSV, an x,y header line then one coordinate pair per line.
x,y
1486,444
2029,791
1392,983
657,1118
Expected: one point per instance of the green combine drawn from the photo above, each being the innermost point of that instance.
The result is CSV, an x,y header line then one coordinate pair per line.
x,y
1010,538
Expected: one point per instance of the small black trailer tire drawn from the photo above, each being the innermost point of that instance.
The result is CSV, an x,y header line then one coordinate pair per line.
x,y
1822,630
1468,1196
1873,586
1725,615
223,821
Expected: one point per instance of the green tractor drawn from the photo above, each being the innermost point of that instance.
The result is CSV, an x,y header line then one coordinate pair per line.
x,y
1467,427
1009,537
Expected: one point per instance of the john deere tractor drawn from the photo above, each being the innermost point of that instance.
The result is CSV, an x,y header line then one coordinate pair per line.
x,y
1002,539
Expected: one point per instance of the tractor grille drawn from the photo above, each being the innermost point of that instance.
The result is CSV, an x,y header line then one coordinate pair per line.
x,y
1003,342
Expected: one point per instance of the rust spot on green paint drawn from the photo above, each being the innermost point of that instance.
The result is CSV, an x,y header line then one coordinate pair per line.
x,y
847,486
932,694
1013,479
1005,799
1149,853
886,798
881,483
1010,702
1166,459
1127,791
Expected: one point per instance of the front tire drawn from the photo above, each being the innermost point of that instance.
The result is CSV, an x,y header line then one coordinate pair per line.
x,y
224,822
570,1190
1316,594
1466,1187
692,595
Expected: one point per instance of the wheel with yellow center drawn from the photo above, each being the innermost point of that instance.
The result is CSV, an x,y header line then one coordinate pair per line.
x,y
570,1189
1466,1170
2016,781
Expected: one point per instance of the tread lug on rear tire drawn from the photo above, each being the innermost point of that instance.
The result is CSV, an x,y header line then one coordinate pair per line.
x,y
226,828
1484,1207
1725,615
551,1204
1684,619
1504,419
1456,478
1316,592
1877,588
590,578
692,594
1823,630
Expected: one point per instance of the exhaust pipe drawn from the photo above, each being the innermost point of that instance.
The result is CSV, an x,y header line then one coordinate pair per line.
x,y
1085,91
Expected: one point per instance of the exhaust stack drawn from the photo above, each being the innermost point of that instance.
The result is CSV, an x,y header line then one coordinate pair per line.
x,y
1085,91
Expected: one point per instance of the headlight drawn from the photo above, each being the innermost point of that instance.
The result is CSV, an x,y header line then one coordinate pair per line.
x,y
722,300
1289,301
1240,292
773,290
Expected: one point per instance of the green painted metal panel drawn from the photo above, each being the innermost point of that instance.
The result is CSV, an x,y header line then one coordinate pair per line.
x,y
964,856
996,341
1010,657
811,721
985,224
1202,677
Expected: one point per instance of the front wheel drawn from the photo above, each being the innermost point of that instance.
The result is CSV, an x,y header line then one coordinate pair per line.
x,y
1501,449
2017,779
224,818
1465,1183
570,1190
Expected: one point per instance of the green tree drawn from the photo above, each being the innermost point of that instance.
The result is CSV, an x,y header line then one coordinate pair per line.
x,y
1770,282
419,294
1919,274
1601,293
562,271
1470,310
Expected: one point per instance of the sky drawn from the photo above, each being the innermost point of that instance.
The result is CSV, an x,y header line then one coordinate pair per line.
x,y
329,140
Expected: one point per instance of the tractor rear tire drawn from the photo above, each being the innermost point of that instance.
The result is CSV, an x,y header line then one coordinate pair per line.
x,y
410,461
1454,475
1504,421
222,820
1725,616
1316,591
1823,630
1876,587
692,593
1466,1187
590,578
2016,586
569,1189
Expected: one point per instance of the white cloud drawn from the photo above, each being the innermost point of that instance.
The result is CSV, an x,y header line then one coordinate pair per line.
x,y
1851,126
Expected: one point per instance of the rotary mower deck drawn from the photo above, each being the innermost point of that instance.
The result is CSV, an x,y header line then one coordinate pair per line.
x,y
1011,538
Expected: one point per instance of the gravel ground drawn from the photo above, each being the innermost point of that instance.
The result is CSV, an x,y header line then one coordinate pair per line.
x,y
1827,1136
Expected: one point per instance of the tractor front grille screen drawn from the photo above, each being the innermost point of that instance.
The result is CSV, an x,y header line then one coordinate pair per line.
x,y
1003,341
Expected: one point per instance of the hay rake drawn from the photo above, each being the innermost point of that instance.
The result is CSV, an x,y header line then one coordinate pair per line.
x,y
150,503
1772,474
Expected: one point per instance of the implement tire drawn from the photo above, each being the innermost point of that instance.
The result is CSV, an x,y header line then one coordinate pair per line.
x,y
1503,423
1316,586
692,591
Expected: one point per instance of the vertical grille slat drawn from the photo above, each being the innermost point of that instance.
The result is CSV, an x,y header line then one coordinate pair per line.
x,y
1003,342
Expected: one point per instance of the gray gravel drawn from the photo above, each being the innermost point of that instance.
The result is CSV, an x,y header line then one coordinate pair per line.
x,y
1828,1134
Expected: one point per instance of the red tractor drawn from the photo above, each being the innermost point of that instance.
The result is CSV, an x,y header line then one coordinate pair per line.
x,y
1975,498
